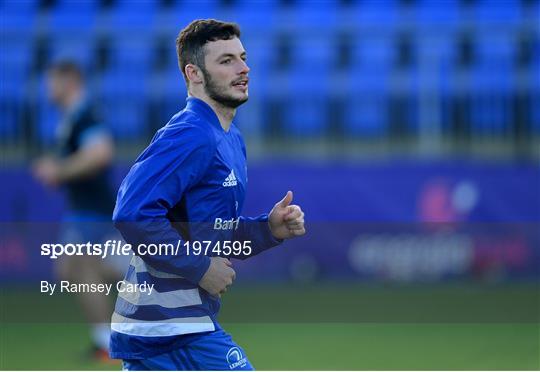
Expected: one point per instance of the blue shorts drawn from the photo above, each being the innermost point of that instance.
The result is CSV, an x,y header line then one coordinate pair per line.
x,y
213,352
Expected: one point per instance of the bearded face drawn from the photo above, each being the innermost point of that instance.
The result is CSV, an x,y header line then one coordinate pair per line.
x,y
226,72
229,94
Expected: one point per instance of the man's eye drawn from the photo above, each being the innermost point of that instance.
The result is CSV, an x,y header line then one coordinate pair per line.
x,y
225,61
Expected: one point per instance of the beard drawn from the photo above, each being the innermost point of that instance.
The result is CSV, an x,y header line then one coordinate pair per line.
x,y
218,92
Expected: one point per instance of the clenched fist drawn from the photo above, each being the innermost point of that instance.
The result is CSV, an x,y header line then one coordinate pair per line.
x,y
285,220
218,277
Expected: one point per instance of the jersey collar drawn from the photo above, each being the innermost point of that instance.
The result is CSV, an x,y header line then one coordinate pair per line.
x,y
202,108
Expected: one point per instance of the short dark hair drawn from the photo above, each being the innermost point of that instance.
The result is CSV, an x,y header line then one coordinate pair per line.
x,y
67,67
191,40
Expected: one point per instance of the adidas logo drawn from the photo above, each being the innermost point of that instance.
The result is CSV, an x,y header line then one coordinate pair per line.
x,y
230,180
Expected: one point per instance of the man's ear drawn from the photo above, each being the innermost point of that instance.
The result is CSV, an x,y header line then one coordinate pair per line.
x,y
193,74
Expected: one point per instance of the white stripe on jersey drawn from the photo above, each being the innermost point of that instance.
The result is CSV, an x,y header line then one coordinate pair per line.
x,y
142,267
161,328
172,299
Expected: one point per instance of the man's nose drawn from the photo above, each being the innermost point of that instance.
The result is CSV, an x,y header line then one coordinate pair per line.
x,y
244,68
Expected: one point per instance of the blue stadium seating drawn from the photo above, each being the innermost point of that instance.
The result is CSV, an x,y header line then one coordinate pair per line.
x,y
71,18
366,101
48,116
301,16
380,50
535,79
183,12
314,52
171,95
306,86
14,68
18,16
491,86
131,54
437,15
254,17
535,98
381,15
133,17
491,89
124,96
306,107
507,12
80,49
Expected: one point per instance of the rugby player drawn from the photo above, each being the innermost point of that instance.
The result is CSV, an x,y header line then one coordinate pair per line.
x,y
189,184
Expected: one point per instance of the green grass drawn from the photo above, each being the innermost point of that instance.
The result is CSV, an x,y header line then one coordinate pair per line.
x,y
311,346
318,340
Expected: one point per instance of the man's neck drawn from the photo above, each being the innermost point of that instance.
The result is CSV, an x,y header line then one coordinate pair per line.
x,y
225,114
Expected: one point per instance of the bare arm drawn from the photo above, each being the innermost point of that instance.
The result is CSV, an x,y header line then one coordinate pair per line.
x,y
85,162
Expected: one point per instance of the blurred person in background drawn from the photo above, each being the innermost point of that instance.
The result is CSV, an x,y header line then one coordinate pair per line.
x,y
80,164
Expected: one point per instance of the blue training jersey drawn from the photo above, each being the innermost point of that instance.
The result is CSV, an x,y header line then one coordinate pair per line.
x,y
189,184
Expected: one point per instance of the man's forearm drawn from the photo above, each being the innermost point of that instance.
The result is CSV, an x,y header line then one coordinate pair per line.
x,y
85,162
256,230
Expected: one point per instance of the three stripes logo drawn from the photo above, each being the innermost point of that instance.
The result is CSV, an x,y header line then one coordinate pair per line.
x,y
230,180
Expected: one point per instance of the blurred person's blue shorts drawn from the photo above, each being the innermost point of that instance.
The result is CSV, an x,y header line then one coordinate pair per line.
x,y
87,226
215,351
80,227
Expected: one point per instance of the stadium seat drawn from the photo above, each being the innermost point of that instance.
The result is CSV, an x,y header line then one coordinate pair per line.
x,y
11,110
491,86
317,52
184,12
531,12
491,104
80,49
438,51
48,116
18,16
380,15
306,102
15,65
405,102
124,97
535,78
133,18
378,50
446,95
507,12
535,97
169,96
254,17
306,17
68,17
14,71
306,85
132,54
436,15
366,101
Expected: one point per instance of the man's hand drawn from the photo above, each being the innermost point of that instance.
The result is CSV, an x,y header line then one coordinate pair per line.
x,y
47,170
218,277
285,220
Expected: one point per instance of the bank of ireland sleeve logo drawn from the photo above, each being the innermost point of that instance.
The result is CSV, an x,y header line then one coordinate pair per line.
x,y
235,358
